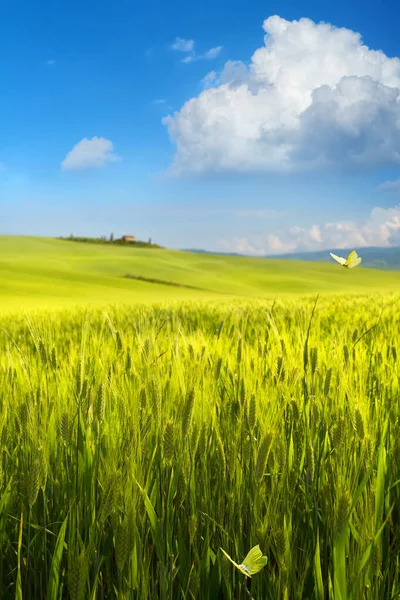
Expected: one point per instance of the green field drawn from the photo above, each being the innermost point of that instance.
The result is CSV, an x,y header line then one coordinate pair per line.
x,y
47,273
144,427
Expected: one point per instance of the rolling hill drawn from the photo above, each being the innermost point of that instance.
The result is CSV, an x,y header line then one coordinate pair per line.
x,y
44,272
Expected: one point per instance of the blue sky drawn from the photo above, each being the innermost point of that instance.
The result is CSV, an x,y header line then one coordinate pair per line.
x,y
250,127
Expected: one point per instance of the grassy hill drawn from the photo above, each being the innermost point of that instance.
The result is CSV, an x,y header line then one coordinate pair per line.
x,y
42,272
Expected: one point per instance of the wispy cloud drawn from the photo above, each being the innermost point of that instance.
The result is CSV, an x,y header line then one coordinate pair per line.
x,y
196,211
258,213
212,52
390,186
51,62
89,154
159,101
209,80
188,47
189,59
182,45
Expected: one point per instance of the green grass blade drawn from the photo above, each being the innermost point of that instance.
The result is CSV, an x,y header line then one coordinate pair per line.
x,y
53,591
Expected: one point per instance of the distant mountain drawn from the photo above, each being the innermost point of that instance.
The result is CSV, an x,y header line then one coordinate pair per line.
x,y
199,251
372,257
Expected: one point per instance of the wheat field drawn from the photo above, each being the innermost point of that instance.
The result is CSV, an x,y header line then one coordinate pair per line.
x,y
137,442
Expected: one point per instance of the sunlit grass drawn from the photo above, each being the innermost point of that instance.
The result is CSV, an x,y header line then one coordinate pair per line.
x,y
137,443
38,273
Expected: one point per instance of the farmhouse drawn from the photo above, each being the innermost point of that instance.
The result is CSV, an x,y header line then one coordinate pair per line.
x,y
128,238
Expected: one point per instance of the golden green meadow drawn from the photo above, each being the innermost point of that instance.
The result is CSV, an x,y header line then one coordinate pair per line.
x,y
145,427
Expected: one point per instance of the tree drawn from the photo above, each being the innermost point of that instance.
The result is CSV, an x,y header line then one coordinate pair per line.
x,y
111,237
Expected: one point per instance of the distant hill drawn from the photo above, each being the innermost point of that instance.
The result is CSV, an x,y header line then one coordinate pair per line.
x,y
48,273
372,257
200,251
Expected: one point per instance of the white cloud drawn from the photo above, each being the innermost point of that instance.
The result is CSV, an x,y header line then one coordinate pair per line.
x,y
188,59
209,79
51,62
213,52
182,45
380,228
390,186
188,46
159,101
313,96
243,246
87,154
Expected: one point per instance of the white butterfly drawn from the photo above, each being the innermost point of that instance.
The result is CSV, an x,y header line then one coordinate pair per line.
x,y
252,564
350,262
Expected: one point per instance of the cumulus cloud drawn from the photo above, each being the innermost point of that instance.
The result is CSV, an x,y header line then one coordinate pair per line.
x,y
380,228
314,96
88,154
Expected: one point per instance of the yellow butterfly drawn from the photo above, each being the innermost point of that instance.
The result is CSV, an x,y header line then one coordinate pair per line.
x,y
350,262
253,562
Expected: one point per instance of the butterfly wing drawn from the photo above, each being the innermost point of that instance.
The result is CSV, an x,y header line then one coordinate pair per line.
x,y
352,256
242,568
252,564
254,561
339,259
354,263
352,260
